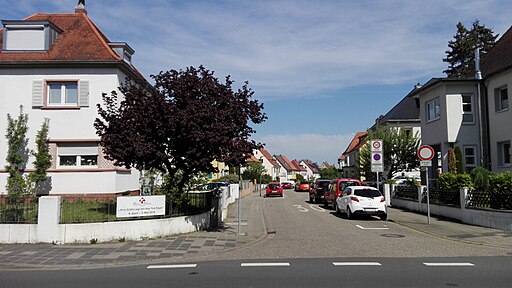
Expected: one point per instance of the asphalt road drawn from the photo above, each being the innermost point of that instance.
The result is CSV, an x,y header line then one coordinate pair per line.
x,y
308,246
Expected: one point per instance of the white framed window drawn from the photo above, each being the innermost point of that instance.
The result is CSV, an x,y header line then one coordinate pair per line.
x,y
433,110
501,99
470,158
504,154
72,155
62,94
468,115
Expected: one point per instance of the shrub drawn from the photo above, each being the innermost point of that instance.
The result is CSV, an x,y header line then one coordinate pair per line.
x,y
480,177
452,181
501,182
231,178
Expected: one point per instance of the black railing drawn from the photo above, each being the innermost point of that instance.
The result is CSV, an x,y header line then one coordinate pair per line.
x,y
18,210
406,192
97,208
499,200
446,197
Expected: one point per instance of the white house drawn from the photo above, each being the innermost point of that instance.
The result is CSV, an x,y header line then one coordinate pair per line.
x,y
270,164
58,66
497,72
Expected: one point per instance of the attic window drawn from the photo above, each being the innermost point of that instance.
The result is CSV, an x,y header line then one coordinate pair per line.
x,y
29,35
123,50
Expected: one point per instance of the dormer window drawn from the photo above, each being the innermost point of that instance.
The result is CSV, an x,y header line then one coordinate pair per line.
x,y
123,50
29,35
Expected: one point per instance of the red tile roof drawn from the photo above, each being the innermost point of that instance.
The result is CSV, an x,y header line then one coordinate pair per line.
x,y
297,165
80,41
285,163
499,58
269,157
357,142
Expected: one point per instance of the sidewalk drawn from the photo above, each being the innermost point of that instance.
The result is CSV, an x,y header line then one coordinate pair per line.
x,y
450,229
169,249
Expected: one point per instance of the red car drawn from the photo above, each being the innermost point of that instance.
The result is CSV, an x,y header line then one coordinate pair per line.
x,y
274,188
336,188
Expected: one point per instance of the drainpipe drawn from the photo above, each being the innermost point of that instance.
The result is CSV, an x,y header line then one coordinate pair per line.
x,y
478,76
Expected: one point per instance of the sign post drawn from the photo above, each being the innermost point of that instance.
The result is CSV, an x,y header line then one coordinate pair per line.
x,y
426,153
377,161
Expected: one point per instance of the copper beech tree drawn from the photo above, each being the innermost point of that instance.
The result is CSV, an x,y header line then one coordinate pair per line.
x,y
178,126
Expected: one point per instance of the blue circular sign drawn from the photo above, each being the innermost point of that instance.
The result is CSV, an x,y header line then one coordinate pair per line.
x,y
376,157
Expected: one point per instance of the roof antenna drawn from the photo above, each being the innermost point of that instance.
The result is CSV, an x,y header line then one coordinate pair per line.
x,y
80,7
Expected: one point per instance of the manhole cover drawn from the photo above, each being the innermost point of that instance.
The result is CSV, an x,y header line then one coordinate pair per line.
x,y
392,235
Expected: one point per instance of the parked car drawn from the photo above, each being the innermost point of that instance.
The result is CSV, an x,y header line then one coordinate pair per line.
x,y
288,184
210,186
364,200
316,193
274,188
303,186
336,187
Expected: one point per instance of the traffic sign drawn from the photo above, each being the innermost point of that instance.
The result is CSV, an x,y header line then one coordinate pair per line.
x,y
377,168
426,153
377,158
425,163
376,145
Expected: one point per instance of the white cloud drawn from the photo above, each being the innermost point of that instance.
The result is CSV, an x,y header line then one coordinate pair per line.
x,y
315,147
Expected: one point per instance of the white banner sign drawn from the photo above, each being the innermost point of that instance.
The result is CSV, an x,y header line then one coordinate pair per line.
x,y
136,206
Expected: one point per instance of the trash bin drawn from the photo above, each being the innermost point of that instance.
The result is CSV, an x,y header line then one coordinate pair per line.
x,y
216,212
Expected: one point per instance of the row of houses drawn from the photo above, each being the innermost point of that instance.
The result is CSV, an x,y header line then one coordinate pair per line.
x,y
472,114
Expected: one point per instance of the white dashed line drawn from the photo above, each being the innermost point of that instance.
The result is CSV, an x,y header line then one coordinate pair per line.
x,y
265,264
356,264
449,264
172,266
363,228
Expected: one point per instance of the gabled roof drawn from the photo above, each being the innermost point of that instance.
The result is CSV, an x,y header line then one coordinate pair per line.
x,y
312,166
269,157
285,162
80,41
406,111
357,142
297,166
499,58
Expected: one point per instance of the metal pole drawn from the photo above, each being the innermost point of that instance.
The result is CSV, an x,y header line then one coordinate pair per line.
x,y
428,196
378,181
238,203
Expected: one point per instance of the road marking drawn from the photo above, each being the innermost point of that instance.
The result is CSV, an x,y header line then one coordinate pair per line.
x,y
317,208
172,266
265,264
363,228
449,264
356,264
301,208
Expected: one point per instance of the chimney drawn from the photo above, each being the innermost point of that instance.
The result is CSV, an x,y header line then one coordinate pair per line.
x,y
417,86
478,74
80,7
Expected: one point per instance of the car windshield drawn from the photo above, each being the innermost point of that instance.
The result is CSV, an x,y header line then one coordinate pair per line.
x,y
304,183
368,193
323,185
345,184
273,186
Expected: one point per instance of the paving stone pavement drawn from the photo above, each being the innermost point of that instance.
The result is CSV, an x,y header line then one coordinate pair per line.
x,y
168,249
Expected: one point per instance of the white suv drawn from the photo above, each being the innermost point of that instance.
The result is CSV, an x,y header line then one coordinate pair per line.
x,y
363,200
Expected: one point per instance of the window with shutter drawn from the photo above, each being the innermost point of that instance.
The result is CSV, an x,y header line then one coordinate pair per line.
x,y
84,94
37,93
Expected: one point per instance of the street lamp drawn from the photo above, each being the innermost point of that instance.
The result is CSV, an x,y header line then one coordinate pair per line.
x,y
261,170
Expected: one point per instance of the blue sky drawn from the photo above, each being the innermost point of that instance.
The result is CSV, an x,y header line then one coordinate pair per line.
x,y
323,69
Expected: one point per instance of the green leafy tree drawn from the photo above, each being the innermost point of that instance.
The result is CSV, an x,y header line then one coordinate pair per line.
x,y
17,153
480,177
231,178
299,178
330,173
254,171
43,160
400,151
461,53
181,124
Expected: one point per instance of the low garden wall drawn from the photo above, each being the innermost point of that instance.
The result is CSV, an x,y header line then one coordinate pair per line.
x,y
459,209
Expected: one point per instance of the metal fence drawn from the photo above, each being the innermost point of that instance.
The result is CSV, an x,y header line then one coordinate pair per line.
x,y
446,197
406,192
499,200
18,210
97,208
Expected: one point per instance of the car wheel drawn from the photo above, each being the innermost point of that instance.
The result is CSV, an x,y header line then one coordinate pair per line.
x,y
383,217
336,208
349,213
325,204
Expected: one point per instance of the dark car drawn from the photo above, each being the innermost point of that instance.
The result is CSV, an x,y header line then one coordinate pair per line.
x,y
287,185
336,187
211,186
316,193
